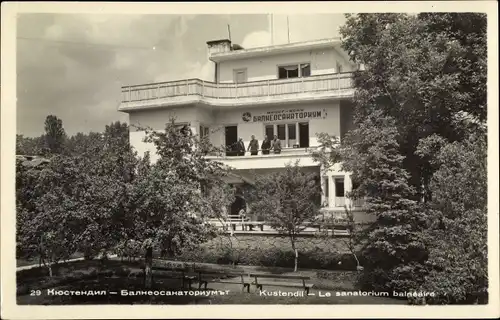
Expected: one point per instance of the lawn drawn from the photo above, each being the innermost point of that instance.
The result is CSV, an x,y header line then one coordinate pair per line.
x,y
35,260
116,275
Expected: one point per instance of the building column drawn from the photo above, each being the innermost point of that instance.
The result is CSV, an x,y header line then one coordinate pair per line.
x,y
332,191
297,135
347,189
324,196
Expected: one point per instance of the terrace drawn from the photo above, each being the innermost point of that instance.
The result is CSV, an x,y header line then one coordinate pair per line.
x,y
317,87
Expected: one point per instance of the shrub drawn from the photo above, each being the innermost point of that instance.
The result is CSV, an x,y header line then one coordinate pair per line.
x,y
271,257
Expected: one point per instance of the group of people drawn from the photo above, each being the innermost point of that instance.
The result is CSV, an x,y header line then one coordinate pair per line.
x,y
266,146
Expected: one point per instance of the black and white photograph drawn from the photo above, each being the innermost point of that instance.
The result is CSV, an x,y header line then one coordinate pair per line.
x,y
186,157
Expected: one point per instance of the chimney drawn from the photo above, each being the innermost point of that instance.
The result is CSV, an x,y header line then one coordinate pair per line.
x,y
218,46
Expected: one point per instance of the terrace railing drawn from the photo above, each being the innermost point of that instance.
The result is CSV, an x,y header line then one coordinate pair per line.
x,y
265,88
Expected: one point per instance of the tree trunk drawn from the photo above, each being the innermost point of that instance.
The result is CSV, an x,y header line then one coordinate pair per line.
x,y
296,260
148,268
296,256
50,269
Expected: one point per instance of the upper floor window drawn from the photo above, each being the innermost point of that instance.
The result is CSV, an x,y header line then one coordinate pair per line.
x,y
240,75
294,71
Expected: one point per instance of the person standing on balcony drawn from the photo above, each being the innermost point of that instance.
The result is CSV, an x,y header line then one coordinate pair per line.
x,y
253,147
266,145
276,145
241,147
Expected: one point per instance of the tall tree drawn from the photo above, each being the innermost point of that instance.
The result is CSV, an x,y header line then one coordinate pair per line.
x,y
394,248
425,71
55,136
30,146
423,75
288,201
84,144
458,262
167,198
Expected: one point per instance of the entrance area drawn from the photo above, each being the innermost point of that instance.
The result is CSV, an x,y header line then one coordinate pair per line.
x,y
238,204
231,134
304,135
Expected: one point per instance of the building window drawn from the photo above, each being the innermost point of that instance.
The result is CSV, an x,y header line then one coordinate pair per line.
x,y
282,132
240,75
294,71
339,187
204,132
292,135
339,192
269,131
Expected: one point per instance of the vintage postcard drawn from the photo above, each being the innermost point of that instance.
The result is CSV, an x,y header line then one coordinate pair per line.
x,y
249,160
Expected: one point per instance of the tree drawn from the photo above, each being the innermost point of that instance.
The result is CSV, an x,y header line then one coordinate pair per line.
x,y
84,144
423,75
55,136
426,72
394,247
79,201
458,264
218,199
288,201
30,146
167,198
47,212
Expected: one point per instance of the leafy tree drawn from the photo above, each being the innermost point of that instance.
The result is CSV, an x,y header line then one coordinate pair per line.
x,y
423,75
46,211
394,248
458,264
218,199
426,71
167,198
30,146
288,201
55,136
84,144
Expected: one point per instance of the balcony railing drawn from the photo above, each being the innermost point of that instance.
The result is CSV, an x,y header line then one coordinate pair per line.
x,y
265,88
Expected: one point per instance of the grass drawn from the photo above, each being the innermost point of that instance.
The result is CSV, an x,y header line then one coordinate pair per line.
x,y
35,260
116,275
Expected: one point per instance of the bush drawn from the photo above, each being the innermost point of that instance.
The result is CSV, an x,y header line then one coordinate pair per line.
x,y
271,257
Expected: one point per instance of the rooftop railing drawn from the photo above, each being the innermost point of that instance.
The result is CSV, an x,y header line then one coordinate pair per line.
x,y
265,88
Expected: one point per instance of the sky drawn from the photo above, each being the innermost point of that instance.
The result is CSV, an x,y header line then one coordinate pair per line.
x,y
73,65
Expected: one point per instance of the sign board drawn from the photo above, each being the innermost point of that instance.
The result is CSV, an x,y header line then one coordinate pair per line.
x,y
285,115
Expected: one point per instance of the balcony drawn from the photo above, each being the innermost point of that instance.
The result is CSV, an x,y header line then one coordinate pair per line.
x,y
189,91
268,161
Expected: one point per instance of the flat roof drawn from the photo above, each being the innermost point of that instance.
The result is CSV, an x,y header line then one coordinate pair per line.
x,y
276,49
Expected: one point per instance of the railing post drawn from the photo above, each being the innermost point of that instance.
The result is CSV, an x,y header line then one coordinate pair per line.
x,y
202,88
302,82
268,88
187,87
236,90
218,91
158,92
129,94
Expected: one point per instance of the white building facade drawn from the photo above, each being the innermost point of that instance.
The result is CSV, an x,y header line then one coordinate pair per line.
x,y
293,91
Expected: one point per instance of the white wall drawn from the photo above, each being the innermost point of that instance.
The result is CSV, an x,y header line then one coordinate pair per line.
x,y
158,118
323,61
216,120
330,124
